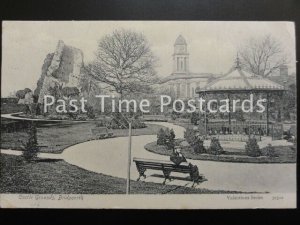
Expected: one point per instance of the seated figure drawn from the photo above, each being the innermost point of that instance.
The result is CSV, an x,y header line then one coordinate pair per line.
x,y
177,157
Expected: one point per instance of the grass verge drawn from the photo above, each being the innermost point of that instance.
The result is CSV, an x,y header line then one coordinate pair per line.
x,y
54,138
58,177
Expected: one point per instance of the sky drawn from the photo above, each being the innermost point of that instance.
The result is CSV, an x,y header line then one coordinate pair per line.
x,y
212,45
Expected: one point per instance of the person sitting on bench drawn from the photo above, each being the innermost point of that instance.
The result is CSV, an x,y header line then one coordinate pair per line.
x,y
177,157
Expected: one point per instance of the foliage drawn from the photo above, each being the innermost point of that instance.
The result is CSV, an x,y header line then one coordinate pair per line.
x,y
20,94
252,148
194,118
58,117
166,137
262,56
70,91
125,61
90,112
270,151
137,124
239,115
173,116
161,137
170,139
30,148
215,147
195,140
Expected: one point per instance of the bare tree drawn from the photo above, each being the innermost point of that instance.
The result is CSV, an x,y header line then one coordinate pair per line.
x,y
125,61
262,55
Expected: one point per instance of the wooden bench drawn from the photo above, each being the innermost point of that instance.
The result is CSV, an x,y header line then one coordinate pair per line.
x,y
102,132
167,167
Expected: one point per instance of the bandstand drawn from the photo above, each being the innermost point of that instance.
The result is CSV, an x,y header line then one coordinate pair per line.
x,y
239,82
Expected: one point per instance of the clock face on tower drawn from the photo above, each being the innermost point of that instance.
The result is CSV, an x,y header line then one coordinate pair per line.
x,y
180,49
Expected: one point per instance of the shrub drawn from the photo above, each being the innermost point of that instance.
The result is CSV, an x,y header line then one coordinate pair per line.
x,y
81,117
30,148
173,117
215,147
252,148
161,137
195,141
113,125
170,139
73,115
166,137
137,123
269,151
90,112
194,118
101,123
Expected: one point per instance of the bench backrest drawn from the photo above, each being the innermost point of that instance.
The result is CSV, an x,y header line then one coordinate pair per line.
x,y
160,164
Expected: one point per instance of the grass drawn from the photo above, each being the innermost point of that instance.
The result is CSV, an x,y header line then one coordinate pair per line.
x,y
58,177
11,108
55,137
285,154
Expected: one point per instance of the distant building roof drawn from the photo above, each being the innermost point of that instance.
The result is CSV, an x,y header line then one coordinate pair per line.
x,y
239,80
180,40
176,76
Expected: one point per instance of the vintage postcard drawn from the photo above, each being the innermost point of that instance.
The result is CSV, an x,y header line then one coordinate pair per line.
x,y
148,114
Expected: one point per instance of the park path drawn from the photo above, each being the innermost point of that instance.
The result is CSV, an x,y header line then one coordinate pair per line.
x,y
109,156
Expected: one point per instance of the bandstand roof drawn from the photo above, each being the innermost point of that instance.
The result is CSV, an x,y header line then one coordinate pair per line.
x,y
238,80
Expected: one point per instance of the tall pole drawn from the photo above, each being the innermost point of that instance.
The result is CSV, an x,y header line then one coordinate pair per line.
x,y
229,115
205,119
268,105
129,160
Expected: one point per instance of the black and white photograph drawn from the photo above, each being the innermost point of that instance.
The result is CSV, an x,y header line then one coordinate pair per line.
x,y
148,114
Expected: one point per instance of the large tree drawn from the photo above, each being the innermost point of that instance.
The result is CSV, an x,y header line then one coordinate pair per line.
x,y
262,55
125,61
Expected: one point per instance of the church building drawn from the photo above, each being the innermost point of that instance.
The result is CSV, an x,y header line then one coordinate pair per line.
x,y
182,82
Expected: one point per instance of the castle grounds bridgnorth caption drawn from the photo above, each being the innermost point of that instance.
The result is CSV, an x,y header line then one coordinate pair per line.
x,y
246,105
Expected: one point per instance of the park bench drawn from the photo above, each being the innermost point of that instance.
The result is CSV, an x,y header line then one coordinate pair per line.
x,y
167,167
102,132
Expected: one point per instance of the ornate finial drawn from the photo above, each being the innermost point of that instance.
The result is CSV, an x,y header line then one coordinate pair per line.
x,y
237,61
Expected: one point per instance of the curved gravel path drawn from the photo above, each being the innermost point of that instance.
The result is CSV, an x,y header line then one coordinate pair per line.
x,y
109,156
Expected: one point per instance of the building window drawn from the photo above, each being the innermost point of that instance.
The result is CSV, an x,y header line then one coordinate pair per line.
x,y
188,90
183,89
193,92
177,59
178,90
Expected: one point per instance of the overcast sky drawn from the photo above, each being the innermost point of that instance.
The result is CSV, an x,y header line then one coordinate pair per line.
x,y
212,45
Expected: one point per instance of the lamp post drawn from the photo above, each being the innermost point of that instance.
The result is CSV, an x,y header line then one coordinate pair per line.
x,y
129,154
129,160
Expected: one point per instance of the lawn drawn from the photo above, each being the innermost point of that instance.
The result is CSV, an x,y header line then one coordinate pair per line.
x,y
285,154
12,108
58,177
55,137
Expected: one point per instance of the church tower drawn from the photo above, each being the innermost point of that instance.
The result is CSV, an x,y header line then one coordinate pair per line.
x,y
180,56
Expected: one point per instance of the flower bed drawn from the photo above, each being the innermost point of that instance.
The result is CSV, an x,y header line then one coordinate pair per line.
x,y
285,154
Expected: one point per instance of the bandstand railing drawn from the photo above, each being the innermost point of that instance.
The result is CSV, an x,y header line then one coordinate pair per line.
x,y
242,130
